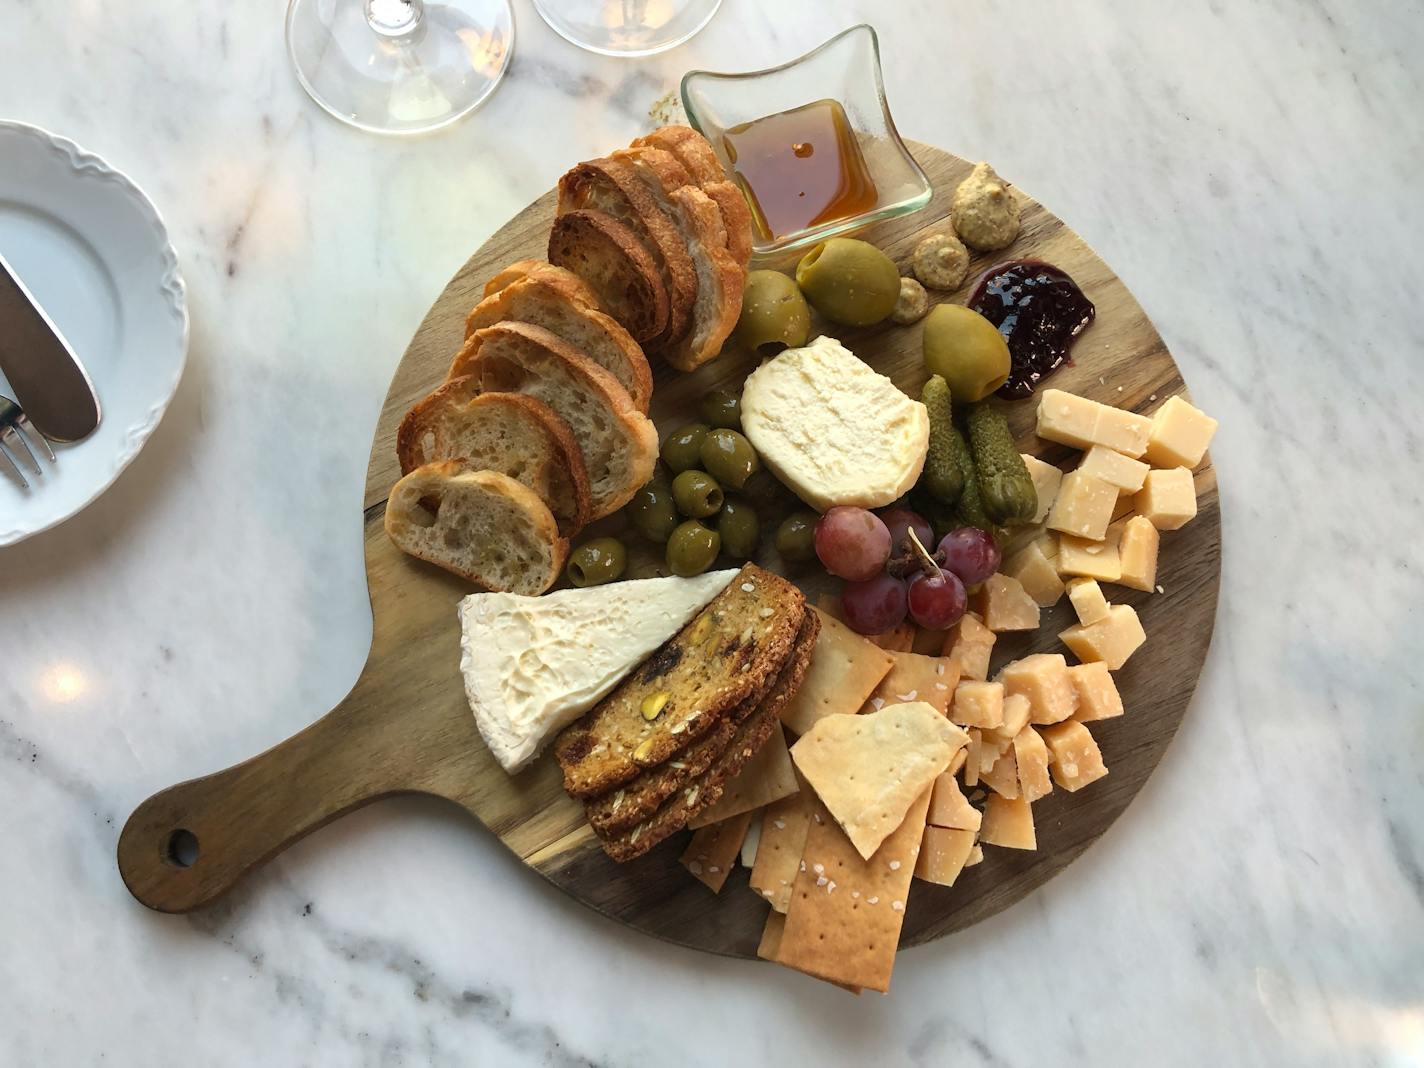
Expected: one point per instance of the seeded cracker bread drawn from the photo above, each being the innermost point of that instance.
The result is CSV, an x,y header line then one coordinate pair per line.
x,y
639,799
707,669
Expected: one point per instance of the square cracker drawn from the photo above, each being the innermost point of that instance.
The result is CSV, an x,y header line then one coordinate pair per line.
x,y
846,912
770,943
915,677
712,853
766,777
844,671
869,769
783,837
899,639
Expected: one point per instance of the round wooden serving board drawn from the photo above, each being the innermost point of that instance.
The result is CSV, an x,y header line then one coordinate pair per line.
x,y
406,727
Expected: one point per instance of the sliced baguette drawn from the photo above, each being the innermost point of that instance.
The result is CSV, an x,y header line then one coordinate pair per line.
x,y
486,527
550,301
515,435
613,187
522,269
618,442
614,264
696,154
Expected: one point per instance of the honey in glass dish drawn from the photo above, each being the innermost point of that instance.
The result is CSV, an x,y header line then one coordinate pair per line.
x,y
800,168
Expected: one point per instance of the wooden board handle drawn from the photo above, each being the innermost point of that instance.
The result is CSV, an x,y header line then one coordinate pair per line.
x,y
188,845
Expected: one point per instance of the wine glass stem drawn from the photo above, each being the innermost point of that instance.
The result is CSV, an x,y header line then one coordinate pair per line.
x,y
394,18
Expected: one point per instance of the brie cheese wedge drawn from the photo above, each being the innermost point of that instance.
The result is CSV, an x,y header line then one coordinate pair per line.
x,y
533,665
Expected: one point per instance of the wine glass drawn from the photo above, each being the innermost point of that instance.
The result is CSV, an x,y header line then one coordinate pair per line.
x,y
627,27
399,66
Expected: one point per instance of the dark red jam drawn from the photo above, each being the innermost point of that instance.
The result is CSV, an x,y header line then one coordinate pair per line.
x,y
1040,311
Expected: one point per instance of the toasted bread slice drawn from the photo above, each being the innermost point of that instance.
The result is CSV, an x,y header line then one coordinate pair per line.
x,y
629,805
550,302
543,269
618,442
614,188
616,266
700,160
486,527
515,435
713,664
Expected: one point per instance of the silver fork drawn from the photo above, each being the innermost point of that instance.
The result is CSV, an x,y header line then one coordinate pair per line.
x,y
16,434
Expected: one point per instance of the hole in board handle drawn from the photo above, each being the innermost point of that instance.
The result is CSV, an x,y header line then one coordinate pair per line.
x,y
182,848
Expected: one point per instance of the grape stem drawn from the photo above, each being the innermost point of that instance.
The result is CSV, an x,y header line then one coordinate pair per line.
x,y
926,559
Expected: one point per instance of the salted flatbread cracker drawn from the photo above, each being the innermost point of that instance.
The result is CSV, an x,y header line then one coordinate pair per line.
x,y
767,777
783,837
846,911
712,852
915,677
870,769
844,671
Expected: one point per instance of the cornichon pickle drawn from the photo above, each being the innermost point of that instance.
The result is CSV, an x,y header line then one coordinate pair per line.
x,y
942,477
1005,487
970,506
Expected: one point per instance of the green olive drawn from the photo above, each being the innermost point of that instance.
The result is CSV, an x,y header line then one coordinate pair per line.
x,y
850,282
683,446
692,548
729,457
765,491
739,529
652,511
796,537
773,312
966,350
595,562
721,409
696,494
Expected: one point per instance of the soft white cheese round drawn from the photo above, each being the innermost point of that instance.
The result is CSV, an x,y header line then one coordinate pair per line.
x,y
835,431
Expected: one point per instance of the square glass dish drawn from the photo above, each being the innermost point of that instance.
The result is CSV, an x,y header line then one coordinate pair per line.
x,y
846,69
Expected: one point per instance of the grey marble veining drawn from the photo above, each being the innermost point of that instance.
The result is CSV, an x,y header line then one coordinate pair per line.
x,y
1252,172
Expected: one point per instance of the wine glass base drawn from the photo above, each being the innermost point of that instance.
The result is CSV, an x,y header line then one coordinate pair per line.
x,y
394,67
629,28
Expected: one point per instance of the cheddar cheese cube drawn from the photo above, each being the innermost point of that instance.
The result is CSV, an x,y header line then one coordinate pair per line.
x,y
1003,776
1073,755
1122,472
1031,756
1180,435
1043,679
1083,507
1168,498
1110,641
1137,554
1121,431
1066,418
943,854
949,807
1087,599
978,704
1036,574
1097,692
969,644
1005,605
1008,822
1046,479
1016,715
1090,559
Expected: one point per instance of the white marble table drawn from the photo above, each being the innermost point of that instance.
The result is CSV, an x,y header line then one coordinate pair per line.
x,y
1252,172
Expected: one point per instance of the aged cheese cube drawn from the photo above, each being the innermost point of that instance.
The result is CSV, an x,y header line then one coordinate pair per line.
x,y
1046,478
1074,756
1008,822
1036,574
972,753
943,853
978,704
1003,776
1016,713
1088,600
1090,559
976,855
1097,693
1180,435
969,644
1168,498
1122,431
1004,604
1110,640
1137,553
992,746
1083,507
957,762
949,807
1066,418
1031,756
1114,468
1043,679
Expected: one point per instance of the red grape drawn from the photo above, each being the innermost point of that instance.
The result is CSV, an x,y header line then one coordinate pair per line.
x,y
937,601
901,520
969,553
874,606
852,543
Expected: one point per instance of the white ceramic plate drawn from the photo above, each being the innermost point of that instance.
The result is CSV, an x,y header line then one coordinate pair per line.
x,y
93,251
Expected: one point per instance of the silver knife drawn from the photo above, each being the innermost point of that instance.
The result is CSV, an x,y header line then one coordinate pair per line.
x,y
48,380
